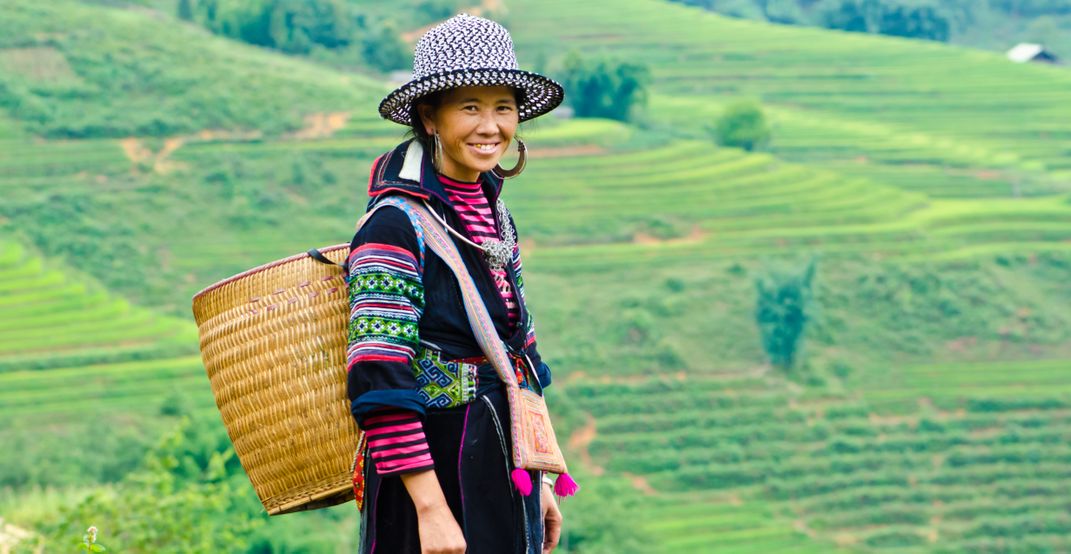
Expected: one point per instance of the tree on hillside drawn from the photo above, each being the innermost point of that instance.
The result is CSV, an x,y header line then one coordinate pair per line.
x,y
785,12
744,9
432,11
783,308
923,22
602,87
185,10
298,24
888,18
383,48
292,26
742,125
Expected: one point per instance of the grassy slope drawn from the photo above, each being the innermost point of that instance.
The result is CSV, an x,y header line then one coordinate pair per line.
x,y
740,436
136,72
841,98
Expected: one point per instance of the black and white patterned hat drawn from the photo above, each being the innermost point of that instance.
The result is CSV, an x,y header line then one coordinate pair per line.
x,y
470,51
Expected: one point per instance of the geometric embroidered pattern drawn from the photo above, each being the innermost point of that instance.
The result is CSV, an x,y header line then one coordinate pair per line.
x,y
386,301
444,384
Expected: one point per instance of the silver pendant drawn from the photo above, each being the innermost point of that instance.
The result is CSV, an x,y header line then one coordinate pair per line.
x,y
499,252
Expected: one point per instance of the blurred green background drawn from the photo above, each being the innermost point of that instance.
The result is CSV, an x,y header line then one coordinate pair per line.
x,y
800,267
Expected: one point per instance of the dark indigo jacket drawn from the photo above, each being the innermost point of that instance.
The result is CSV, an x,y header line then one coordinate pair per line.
x,y
443,324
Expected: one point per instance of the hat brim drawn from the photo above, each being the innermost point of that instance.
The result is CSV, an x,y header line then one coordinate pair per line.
x,y
541,94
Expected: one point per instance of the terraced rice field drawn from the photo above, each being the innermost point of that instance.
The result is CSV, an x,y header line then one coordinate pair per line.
x,y
884,149
971,463
61,332
711,203
691,522
743,462
51,313
874,101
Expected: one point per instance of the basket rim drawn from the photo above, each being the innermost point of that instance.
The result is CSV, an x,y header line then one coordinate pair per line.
x,y
265,267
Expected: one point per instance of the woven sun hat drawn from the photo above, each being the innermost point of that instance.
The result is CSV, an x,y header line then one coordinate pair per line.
x,y
470,51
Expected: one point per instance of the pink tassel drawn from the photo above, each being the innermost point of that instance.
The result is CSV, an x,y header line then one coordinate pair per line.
x,y
522,480
565,486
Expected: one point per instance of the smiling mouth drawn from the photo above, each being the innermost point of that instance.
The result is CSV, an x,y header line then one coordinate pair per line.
x,y
484,148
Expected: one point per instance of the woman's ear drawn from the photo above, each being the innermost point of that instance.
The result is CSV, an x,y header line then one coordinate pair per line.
x,y
426,112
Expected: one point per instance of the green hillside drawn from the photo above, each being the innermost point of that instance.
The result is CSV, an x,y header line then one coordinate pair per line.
x,y
136,72
930,182
54,318
845,99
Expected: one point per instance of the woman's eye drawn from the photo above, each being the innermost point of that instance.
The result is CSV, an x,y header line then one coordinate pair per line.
x,y
469,108
505,108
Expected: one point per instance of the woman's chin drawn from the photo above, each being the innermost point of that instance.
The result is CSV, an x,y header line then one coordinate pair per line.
x,y
483,166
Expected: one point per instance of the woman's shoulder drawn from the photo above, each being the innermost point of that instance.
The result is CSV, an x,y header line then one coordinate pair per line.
x,y
387,218
387,225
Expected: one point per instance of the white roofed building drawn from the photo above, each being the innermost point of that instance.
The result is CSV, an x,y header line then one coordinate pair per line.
x,y
1029,52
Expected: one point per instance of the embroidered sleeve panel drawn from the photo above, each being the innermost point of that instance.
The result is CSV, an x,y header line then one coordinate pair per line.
x,y
386,299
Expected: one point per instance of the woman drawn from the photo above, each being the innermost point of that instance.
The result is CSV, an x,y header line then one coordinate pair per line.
x,y
438,473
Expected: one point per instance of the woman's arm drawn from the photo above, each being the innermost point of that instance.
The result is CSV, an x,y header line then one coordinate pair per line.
x,y
386,298
386,294
439,531
425,491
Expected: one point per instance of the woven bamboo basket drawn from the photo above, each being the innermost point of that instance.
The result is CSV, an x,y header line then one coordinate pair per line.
x,y
273,340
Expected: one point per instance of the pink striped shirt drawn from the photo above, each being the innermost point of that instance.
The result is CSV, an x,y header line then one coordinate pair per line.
x,y
472,206
396,441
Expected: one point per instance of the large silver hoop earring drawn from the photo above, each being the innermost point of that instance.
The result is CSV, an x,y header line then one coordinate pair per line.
x,y
522,159
437,152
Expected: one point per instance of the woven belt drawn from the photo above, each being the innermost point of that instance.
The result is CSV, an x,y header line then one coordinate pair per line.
x,y
519,362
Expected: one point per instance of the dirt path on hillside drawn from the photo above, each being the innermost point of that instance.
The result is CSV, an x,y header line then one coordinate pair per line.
x,y
135,151
695,235
579,442
317,125
320,125
140,155
566,151
639,482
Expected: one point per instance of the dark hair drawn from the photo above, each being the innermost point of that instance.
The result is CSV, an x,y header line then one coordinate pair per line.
x,y
435,99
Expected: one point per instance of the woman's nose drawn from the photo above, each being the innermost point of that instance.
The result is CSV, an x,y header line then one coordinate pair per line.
x,y
488,125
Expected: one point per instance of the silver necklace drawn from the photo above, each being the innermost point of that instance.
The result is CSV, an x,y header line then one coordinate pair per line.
x,y
497,252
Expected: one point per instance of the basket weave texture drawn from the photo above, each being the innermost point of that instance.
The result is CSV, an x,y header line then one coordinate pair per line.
x,y
273,341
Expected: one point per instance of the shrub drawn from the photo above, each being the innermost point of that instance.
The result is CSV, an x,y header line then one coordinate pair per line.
x,y
782,310
742,125
602,87
168,505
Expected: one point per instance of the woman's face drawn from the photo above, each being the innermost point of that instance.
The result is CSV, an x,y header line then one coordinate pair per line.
x,y
475,125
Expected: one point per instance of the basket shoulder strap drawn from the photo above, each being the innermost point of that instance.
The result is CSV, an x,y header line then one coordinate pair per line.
x,y
406,207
